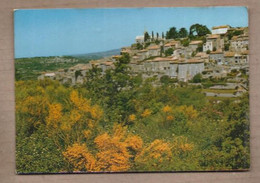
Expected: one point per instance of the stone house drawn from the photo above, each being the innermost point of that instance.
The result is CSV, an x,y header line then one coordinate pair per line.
x,y
182,52
172,44
241,59
217,56
136,67
234,59
214,41
167,46
208,46
175,44
182,69
116,57
246,56
125,50
106,65
202,56
173,73
50,75
136,58
159,66
154,51
188,69
195,44
239,43
229,58
143,54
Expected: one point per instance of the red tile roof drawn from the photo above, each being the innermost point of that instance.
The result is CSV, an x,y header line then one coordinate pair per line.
x,y
195,42
213,36
229,54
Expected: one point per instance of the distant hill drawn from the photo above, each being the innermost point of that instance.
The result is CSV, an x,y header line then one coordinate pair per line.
x,y
98,55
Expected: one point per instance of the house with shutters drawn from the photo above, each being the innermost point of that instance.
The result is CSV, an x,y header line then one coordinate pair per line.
x,y
239,43
213,42
217,56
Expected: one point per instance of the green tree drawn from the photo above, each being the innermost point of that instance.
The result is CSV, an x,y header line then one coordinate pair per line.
x,y
198,30
185,42
78,73
139,46
146,36
232,33
226,46
95,83
168,52
200,48
172,33
197,78
183,33
167,80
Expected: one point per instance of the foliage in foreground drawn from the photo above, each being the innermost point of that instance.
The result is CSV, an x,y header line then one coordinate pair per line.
x,y
117,122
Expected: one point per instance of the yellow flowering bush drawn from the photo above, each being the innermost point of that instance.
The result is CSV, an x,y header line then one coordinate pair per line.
x,y
80,158
134,142
55,114
113,154
146,113
189,111
157,152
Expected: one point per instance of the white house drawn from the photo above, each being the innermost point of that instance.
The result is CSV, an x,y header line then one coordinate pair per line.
x,y
139,39
220,29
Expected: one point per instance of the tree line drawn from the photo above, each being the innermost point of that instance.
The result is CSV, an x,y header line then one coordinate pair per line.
x,y
195,30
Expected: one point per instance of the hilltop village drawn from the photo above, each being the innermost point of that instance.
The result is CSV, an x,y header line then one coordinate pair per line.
x,y
222,51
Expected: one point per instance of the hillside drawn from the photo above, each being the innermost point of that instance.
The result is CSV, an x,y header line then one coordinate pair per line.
x,y
98,55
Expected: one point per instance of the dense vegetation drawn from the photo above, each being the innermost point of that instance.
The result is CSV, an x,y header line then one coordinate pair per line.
x,y
120,122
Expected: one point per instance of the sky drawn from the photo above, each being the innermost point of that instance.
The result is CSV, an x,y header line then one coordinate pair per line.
x,y
57,32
